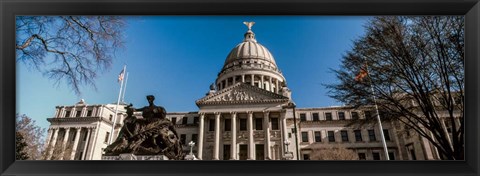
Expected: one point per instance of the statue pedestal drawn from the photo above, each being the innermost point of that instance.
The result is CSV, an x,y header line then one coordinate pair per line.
x,y
191,157
130,156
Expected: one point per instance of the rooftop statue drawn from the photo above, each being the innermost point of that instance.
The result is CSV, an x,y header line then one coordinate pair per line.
x,y
151,135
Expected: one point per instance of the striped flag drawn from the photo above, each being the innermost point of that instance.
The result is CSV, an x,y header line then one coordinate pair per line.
x,y
121,75
363,72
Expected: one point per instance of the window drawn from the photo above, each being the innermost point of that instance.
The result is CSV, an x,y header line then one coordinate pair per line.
x,y
194,137
228,124
371,135
85,136
110,118
318,136
386,135
331,136
174,120
89,113
78,114
362,156
411,151
354,115
258,123
341,115
376,156
106,137
67,114
274,123
328,116
358,135
304,136
303,117
211,126
289,135
243,124
306,157
315,117
184,120
195,120
183,138
458,100
391,156
344,135
226,152
74,136
368,114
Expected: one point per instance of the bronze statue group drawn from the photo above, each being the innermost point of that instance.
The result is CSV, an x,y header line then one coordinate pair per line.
x,y
151,135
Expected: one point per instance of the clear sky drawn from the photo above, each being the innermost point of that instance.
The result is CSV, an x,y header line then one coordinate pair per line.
x,y
176,58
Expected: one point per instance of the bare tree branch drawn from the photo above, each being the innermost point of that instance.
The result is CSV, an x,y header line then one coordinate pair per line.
x,y
416,69
71,49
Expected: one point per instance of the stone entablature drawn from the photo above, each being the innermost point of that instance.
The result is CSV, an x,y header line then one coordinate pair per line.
x,y
242,94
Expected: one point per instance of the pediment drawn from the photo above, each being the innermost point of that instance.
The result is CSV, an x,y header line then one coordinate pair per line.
x,y
242,93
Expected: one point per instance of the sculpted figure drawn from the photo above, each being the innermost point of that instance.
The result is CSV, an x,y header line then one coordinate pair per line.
x,y
151,135
151,111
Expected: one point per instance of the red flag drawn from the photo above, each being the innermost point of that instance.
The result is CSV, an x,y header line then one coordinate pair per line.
x,y
363,72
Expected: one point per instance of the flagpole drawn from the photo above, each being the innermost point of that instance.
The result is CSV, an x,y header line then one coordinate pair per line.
x,y
116,108
378,116
124,89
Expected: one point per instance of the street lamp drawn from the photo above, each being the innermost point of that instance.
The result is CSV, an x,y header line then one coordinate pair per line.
x,y
191,156
292,105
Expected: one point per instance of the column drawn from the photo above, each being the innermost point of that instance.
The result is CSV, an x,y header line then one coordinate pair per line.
x,y
84,154
276,86
284,129
62,111
270,84
253,79
93,142
49,136
262,85
444,126
65,140
57,112
216,147
84,111
75,144
243,78
266,128
200,135
233,154
251,144
54,142
233,81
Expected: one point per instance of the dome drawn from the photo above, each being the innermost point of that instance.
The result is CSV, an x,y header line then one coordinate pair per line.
x,y
251,63
249,50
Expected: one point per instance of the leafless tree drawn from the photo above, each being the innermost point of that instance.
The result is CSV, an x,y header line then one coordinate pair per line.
x,y
20,150
334,153
415,66
32,134
58,152
69,48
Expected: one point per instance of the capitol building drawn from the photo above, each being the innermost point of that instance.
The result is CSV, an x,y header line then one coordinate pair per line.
x,y
247,114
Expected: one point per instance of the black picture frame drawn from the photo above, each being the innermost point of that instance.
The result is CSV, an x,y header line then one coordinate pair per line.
x,y
10,8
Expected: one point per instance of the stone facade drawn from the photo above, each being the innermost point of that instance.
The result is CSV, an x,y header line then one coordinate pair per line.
x,y
83,128
248,115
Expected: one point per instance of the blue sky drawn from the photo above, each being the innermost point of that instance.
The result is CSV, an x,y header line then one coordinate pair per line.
x,y
176,58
